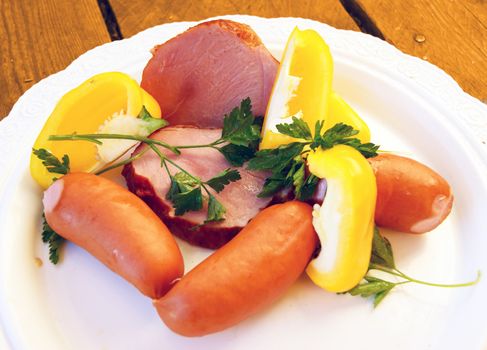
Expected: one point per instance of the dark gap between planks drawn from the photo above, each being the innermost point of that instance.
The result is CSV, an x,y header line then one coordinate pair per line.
x,y
110,20
352,7
360,17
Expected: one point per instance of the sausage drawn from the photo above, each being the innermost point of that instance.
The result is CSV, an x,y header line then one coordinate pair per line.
x,y
410,196
250,272
117,228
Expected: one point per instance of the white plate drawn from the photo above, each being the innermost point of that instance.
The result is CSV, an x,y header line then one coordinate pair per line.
x,y
412,107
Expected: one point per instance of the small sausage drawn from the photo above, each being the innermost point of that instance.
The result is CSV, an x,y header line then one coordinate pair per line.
x,y
410,196
250,272
116,227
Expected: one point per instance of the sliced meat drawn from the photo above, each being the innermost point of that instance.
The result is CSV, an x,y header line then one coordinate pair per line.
x,y
149,181
203,73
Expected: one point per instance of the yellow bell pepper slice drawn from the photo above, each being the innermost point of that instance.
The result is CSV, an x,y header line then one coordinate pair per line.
x,y
345,221
83,110
341,112
303,84
303,88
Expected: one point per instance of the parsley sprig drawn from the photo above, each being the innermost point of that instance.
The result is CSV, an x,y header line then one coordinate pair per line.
x,y
382,259
61,167
51,162
287,162
238,143
186,194
55,241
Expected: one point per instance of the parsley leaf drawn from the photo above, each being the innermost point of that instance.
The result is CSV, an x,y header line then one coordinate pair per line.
x,y
332,136
53,165
237,155
239,127
51,162
373,286
50,237
216,210
276,159
383,257
342,134
152,123
185,193
185,181
298,175
180,183
283,162
303,183
382,251
242,132
288,169
187,201
272,185
144,114
381,295
219,181
306,189
174,189
298,129
368,149
318,127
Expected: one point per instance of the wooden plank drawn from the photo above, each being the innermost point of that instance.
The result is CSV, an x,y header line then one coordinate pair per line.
x,y
450,34
135,15
43,37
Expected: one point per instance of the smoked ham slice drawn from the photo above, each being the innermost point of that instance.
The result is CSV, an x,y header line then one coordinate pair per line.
x,y
149,181
202,74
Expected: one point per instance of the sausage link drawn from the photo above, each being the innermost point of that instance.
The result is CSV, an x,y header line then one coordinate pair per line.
x,y
410,196
117,228
244,276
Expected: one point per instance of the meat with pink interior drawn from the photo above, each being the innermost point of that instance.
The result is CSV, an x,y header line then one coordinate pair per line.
x,y
203,73
148,180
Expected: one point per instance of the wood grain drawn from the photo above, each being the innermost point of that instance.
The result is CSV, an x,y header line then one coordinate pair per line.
x,y
450,34
43,37
134,16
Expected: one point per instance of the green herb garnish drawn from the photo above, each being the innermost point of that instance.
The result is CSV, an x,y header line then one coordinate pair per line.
x,y
216,211
382,259
53,165
238,143
55,241
219,181
287,163
239,127
51,162
186,192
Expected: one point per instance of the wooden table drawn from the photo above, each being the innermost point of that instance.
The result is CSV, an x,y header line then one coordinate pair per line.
x,y
41,37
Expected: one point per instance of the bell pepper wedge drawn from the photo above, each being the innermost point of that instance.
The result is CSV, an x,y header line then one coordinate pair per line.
x,y
302,86
341,112
345,221
83,110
